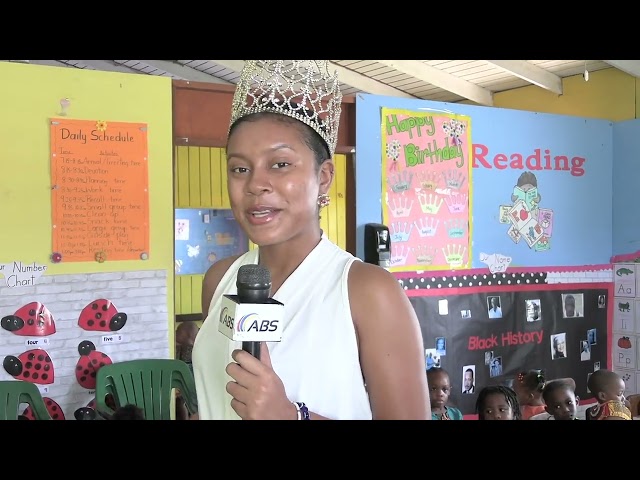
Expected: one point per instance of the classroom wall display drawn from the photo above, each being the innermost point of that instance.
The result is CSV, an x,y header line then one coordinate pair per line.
x,y
626,324
493,333
60,332
533,175
99,190
203,236
426,187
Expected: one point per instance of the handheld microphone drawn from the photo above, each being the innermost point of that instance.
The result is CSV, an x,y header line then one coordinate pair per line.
x,y
251,316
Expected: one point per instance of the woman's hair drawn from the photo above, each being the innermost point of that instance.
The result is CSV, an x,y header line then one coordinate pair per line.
x,y
533,380
509,395
314,141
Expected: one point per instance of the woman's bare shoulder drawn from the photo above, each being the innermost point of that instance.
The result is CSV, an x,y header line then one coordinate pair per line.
x,y
212,278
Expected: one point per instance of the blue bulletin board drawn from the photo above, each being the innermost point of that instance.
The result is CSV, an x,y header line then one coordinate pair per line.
x,y
204,236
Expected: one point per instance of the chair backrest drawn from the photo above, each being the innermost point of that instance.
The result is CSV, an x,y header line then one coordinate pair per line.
x,y
146,383
15,392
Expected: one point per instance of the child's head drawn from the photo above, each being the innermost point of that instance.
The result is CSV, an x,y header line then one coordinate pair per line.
x,y
439,386
128,412
497,402
560,399
528,386
606,385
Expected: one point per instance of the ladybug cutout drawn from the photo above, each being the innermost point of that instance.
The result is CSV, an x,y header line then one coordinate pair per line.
x,y
101,316
33,320
85,413
624,342
89,363
53,408
32,366
89,411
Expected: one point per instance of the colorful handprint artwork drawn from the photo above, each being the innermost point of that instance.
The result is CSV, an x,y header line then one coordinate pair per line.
x,y
426,190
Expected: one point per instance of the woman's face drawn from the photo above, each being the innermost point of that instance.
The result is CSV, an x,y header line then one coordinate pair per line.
x,y
273,180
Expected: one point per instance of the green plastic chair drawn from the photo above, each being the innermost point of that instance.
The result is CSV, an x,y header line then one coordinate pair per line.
x,y
146,383
15,392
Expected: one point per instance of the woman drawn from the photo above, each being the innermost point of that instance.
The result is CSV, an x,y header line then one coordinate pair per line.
x,y
351,346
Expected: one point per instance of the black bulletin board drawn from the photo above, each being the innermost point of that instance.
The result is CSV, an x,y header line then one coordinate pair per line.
x,y
461,316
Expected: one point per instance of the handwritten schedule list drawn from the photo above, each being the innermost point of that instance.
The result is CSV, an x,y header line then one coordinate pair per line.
x,y
100,203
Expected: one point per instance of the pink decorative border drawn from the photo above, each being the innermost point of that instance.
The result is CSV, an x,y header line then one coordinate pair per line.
x,y
626,257
484,271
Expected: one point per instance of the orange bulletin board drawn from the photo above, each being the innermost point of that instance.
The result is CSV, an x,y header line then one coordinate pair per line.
x,y
99,189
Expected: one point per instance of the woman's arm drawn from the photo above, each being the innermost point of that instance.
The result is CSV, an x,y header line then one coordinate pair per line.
x,y
209,284
390,343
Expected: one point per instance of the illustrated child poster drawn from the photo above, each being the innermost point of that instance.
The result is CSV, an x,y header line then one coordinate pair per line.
x,y
99,179
426,173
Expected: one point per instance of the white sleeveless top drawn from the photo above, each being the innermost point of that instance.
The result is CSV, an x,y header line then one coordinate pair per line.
x,y
317,359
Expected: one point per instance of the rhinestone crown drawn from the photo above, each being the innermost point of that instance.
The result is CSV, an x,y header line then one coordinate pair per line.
x,y
301,89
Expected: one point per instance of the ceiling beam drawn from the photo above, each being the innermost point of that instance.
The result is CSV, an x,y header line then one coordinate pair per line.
x,y
347,77
632,67
183,71
531,73
107,66
48,63
440,79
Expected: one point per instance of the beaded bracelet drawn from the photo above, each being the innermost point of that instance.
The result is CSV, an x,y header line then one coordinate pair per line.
x,y
303,411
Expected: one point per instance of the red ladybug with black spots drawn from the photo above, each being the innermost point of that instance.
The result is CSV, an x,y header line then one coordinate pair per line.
x,y
101,316
89,363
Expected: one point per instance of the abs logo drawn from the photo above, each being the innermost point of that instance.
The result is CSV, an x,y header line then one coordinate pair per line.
x,y
226,319
252,322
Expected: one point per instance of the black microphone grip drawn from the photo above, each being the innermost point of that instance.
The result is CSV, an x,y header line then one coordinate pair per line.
x,y
252,348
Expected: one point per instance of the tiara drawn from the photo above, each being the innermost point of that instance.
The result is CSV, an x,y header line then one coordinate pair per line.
x,y
301,89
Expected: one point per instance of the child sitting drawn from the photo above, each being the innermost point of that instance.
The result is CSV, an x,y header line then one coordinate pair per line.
x,y
608,388
497,402
439,391
528,387
560,399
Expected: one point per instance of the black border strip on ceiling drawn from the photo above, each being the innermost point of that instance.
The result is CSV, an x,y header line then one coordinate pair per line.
x,y
473,280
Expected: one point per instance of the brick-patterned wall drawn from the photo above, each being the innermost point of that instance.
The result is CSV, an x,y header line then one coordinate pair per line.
x,y
142,295
584,276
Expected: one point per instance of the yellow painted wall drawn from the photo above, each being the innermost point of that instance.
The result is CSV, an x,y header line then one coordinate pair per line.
x,y
609,94
31,95
200,182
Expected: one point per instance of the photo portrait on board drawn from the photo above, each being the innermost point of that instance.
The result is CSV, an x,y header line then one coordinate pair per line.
x,y
495,369
494,307
488,356
534,310
596,366
602,302
441,346
559,345
465,313
572,305
585,351
432,358
469,379
591,336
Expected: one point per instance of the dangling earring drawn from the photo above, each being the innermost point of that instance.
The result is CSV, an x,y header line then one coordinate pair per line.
x,y
323,200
